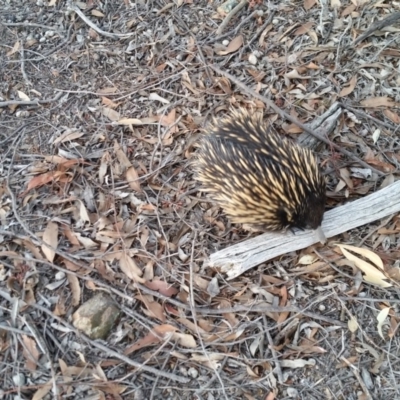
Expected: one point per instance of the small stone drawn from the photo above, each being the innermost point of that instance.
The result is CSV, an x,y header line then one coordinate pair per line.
x,y
19,380
97,316
60,275
252,59
225,42
193,372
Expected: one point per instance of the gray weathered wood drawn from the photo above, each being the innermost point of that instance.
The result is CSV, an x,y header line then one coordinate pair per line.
x,y
242,256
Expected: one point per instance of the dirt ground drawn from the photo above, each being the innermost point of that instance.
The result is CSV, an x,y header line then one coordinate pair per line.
x,y
101,104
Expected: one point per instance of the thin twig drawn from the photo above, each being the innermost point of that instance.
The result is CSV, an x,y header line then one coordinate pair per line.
x,y
29,103
283,114
383,23
76,9
273,352
227,19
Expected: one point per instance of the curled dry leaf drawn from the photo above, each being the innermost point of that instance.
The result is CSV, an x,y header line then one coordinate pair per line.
x,y
110,113
41,180
154,309
378,102
234,45
50,237
372,274
43,391
75,289
130,269
304,28
308,4
185,340
30,352
381,319
163,287
68,136
349,88
133,179
156,335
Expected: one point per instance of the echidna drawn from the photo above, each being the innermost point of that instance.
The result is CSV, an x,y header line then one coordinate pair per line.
x,y
260,178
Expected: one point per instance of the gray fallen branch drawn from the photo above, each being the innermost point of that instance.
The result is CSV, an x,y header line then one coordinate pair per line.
x,y
242,256
76,9
29,103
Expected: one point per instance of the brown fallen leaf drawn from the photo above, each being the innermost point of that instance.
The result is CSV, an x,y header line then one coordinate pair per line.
x,y
163,287
133,179
304,28
349,88
392,116
130,269
42,179
383,101
308,4
50,237
75,289
234,45
30,352
156,335
155,310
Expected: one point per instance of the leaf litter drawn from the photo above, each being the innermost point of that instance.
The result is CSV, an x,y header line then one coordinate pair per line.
x,y
104,193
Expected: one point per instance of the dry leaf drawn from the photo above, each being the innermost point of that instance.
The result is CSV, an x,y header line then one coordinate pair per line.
x,y
234,45
97,13
75,289
308,4
15,48
68,136
156,335
349,88
110,113
303,29
83,213
367,254
392,116
378,102
23,96
307,259
163,287
130,268
168,120
50,236
381,319
136,121
30,352
43,391
155,96
185,340
108,102
371,273
133,179
41,180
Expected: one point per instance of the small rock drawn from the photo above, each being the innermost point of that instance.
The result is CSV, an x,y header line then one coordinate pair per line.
x,y
97,316
193,372
19,380
252,59
225,42
60,275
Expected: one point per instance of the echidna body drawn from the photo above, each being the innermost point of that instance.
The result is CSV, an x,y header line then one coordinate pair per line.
x,y
260,178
